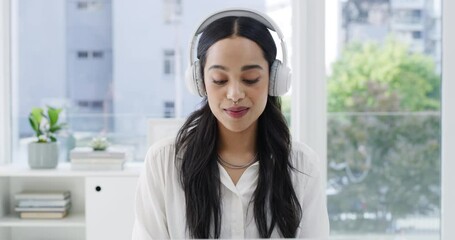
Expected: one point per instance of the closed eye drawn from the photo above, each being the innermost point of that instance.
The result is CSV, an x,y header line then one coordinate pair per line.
x,y
251,81
219,82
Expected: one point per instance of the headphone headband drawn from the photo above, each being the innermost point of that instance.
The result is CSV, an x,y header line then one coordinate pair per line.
x,y
239,12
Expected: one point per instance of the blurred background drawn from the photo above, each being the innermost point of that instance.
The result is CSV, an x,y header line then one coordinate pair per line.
x,y
114,64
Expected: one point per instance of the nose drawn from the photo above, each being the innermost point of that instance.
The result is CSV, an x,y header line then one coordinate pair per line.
x,y
235,91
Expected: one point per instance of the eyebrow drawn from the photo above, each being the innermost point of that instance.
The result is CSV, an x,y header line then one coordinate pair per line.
x,y
244,68
218,67
248,67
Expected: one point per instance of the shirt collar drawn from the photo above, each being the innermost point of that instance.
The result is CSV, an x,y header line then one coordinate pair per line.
x,y
247,181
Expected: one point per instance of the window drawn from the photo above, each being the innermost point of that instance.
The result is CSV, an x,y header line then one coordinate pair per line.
x,y
406,16
172,11
169,61
97,54
83,104
417,34
82,54
417,13
89,54
90,105
89,5
384,174
110,70
169,109
82,5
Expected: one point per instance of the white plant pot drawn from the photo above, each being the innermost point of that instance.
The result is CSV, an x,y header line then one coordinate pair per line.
x,y
42,155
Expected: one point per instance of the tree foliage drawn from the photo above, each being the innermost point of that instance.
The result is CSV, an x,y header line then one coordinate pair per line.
x,y
383,137
373,77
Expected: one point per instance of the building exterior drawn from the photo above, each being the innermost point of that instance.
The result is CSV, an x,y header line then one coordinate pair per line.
x,y
110,63
89,64
415,22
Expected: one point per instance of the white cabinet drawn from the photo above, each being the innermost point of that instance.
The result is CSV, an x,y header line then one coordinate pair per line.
x,y
102,203
109,205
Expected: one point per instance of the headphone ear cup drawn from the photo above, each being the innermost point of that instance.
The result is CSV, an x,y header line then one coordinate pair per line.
x,y
280,79
194,81
189,81
199,82
273,77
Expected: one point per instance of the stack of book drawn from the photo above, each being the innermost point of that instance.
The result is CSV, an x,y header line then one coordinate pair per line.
x,y
85,158
43,205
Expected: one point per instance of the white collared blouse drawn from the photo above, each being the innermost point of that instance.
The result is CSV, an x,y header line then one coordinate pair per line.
x,y
160,200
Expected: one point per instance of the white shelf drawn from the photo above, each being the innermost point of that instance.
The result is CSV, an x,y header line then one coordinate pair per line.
x,y
64,170
94,213
72,220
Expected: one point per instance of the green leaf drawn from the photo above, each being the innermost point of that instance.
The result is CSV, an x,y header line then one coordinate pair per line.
x,y
35,125
37,114
55,129
53,139
53,115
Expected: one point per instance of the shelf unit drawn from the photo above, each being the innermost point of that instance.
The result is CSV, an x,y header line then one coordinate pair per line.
x,y
95,197
64,170
72,220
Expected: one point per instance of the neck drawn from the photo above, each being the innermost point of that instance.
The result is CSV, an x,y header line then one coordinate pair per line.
x,y
241,142
237,150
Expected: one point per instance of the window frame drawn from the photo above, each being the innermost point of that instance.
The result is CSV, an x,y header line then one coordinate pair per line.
x,y
447,121
168,62
309,94
5,83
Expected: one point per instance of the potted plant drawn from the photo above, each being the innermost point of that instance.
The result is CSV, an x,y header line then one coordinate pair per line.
x,y
99,144
44,153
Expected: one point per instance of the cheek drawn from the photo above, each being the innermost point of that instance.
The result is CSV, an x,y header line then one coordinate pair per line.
x,y
213,93
213,101
209,88
263,100
260,98
263,92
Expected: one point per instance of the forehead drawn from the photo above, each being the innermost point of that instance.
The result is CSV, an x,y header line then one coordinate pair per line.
x,y
234,51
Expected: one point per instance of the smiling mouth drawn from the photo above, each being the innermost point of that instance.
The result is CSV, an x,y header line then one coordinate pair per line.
x,y
237,112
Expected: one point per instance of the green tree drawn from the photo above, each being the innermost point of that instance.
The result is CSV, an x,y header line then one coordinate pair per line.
x,y
366,69
382,167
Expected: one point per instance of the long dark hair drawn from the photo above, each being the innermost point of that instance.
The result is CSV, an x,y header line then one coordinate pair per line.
x,y
275,201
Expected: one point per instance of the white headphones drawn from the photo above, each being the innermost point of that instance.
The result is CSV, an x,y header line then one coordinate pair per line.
x,y
280,74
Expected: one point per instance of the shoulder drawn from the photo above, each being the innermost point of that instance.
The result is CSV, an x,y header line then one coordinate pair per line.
x,y
162,145
305,159
161,154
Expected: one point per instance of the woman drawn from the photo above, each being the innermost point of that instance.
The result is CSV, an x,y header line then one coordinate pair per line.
x,y
232,171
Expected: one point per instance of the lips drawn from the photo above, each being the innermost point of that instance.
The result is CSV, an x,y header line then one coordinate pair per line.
x,y
237,112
